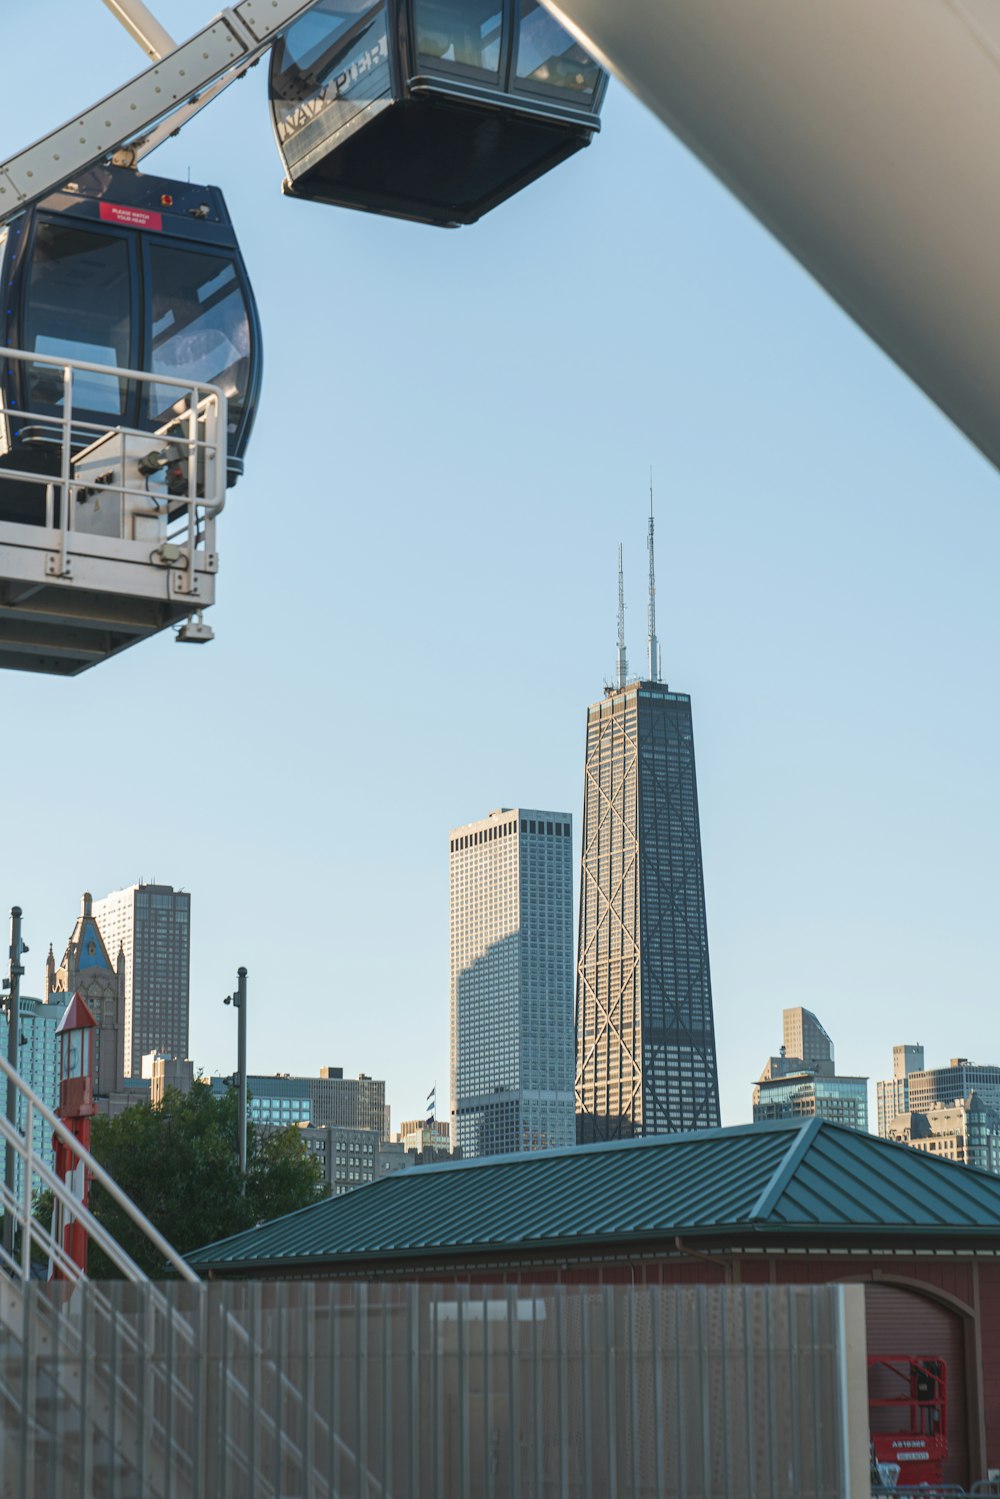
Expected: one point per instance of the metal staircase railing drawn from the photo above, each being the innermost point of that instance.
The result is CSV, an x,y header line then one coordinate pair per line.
x,y
34,1168
158,1426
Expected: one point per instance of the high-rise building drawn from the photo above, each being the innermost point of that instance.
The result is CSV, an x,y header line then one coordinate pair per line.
x,y
87,969
331,1099
967,1130
38,1065
152,926
948,1085
806,1039
803,1083
645,1033
511,1069
893,1095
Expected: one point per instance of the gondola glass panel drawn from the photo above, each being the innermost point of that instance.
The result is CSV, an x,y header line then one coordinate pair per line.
x,y
200,328
79,306
435,110
463,36
548,59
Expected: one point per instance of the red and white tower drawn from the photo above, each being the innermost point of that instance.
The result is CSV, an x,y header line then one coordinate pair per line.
x,y
76,1109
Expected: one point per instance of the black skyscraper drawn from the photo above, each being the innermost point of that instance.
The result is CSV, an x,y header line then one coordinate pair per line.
x,y
645,1035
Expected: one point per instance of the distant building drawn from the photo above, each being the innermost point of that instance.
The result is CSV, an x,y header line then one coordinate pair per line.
x,y
805,1038
511,1069
87,969
152,926
38,1065
950,1084
351,1158
425,1134
792,1087
645,1033
356,1103
893,1095
163,1072
967,1131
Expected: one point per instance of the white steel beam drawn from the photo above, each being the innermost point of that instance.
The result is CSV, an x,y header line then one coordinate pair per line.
x,y
143,27
176,85
864,134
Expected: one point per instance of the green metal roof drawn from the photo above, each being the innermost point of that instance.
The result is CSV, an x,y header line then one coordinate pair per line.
x,y
783,1177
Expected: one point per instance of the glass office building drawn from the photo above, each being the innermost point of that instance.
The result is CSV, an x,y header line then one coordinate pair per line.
x,y
806,1095
645,1033
511,878
152,925
38,1065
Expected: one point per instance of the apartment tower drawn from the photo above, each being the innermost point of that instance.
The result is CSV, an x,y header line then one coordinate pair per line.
x,y
512,983
645,1034
152,926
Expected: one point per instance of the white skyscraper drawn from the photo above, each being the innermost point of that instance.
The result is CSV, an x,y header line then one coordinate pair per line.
x,y
152,924
512,1046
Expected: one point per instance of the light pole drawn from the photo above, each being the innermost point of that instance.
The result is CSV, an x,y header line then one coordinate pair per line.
x,y
12,983
239,1003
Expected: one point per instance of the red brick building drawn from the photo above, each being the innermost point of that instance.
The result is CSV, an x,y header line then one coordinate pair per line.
x,y
778,1203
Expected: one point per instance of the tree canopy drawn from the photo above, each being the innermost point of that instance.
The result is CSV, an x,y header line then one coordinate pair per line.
x,y
179,1165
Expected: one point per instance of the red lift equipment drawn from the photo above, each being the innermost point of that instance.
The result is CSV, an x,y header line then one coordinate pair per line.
x,y
912,1391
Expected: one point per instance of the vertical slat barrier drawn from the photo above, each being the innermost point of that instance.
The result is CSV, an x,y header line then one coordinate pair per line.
x,y
413,1372
610,1390
427,1392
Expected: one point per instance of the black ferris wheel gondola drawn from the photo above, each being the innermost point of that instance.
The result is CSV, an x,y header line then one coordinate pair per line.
x,y
434,110
132,272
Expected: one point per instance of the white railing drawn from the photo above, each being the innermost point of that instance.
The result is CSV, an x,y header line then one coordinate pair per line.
x,y
122,469
35,1169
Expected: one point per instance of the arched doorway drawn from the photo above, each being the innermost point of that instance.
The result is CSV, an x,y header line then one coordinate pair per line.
x,y
904,1322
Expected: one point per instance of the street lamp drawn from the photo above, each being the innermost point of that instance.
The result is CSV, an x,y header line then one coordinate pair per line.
x,y
239,1003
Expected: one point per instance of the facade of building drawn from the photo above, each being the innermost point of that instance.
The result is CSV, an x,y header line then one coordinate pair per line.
x,y
352,1158
151,924
425,1134
88,969
949,1085
893,1095
804,1037
38,1065
803,1083
163,1072
645,1033
354,1103
751,1206
967,1131
511,1067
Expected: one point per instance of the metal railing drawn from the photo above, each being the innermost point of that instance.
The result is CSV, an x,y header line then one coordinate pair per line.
x,y
36,1170
191,444
338,1390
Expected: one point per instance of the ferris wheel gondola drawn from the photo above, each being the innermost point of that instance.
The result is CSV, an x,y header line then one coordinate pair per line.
x,y
129,378
434,110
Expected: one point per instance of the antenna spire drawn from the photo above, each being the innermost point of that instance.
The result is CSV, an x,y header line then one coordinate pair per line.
x,y
653,643
622,657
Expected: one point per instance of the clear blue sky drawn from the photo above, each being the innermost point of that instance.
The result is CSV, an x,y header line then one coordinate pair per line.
x,y
417,602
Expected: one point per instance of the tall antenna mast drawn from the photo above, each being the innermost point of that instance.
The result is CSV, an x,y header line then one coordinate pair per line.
x,y
654,644
622,657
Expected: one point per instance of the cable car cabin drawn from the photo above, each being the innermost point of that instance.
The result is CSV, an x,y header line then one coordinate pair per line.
x,y
435,110
129,378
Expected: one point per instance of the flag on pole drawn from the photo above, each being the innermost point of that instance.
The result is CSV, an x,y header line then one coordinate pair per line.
x,y
431,1106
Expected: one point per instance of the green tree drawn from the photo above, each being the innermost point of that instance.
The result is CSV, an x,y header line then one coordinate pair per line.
x,y
178,1163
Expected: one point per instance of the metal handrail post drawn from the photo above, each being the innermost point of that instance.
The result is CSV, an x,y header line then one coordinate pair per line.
x,y
13,987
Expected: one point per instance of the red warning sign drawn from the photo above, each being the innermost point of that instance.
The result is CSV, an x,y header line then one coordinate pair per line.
x,y
134,218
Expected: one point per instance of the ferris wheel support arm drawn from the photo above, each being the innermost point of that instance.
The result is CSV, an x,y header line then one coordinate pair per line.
x,y
151,105
863,134
143,27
